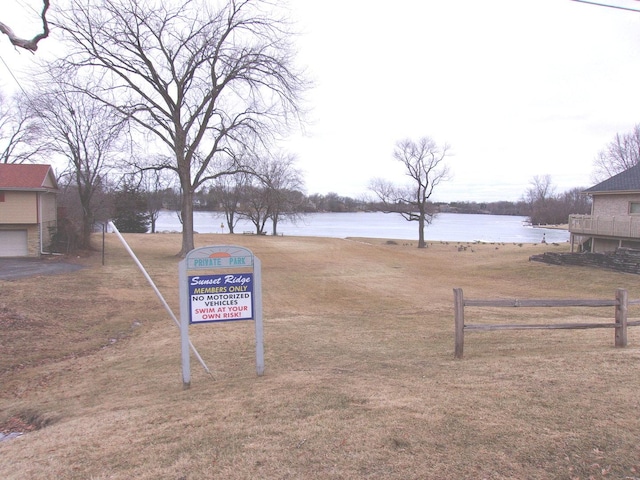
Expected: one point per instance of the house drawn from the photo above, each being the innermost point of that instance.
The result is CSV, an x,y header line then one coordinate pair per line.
x,y
28,209
615,215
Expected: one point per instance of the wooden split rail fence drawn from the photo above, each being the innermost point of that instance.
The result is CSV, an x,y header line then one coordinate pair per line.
x,y
621,303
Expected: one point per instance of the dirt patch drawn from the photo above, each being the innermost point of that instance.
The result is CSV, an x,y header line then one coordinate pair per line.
x,y
21,423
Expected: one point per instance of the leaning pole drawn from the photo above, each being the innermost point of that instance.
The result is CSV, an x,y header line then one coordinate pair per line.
x,y
158,294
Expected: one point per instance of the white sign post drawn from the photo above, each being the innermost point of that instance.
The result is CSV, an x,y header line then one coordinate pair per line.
x,y
220,283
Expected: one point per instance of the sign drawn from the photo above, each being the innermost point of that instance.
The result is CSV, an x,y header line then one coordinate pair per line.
x,y
221,298
220,283
219,257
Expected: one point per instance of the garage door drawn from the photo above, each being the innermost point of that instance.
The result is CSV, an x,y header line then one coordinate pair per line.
x,y
13,243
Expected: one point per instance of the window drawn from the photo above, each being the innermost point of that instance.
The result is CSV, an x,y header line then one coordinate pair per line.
x,y
634,207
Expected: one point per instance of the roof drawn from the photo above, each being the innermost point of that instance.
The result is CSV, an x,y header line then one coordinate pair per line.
x,y
22,176
627,181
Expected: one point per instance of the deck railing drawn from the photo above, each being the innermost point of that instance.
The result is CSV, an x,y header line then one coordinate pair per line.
x,y
625,226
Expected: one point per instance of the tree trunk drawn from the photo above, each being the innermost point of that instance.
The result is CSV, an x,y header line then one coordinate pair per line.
x,y
87,228
187,221
230,223
421,242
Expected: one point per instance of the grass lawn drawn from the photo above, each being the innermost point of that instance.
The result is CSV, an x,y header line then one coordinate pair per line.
x,y
360,378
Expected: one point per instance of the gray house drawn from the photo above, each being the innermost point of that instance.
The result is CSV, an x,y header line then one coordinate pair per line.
x,y
615,215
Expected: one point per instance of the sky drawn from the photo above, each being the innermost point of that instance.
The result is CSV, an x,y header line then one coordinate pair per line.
x,y
516,88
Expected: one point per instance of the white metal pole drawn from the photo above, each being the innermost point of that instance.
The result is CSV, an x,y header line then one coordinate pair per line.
x,y
155,289
257,276
184,325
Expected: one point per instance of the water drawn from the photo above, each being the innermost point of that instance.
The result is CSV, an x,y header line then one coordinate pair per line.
x,y
446,227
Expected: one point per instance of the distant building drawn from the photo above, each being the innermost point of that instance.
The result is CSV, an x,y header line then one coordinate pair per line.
x,y
28,209
615,215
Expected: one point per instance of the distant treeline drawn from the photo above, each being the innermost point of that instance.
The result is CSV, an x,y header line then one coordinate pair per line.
x,y
549,209
519,208
334,203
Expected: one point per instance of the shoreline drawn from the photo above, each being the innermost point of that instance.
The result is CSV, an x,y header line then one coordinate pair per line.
x,y
562,226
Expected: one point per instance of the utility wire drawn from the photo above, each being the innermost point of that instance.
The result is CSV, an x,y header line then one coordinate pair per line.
x,y
618,7
13,76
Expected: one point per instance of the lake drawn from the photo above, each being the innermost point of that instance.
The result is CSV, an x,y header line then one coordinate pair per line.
x,y
445,227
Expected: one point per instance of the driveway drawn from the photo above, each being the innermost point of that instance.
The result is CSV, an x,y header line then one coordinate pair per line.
x,y
14,268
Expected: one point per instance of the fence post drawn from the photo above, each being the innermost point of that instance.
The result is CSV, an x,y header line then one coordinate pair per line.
x,y
458,302
621,318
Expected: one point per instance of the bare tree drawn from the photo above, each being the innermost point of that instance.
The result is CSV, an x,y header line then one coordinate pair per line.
x,y
271,192
541,189
548,208
199,81
86,134
576,202
423,162
154,184
20,132
229,190
620,154
283,183
30,44
255,204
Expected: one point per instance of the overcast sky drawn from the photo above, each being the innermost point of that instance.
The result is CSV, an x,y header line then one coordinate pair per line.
x,y
517,88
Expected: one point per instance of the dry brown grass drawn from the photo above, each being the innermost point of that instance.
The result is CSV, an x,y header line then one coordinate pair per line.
x,y
360,377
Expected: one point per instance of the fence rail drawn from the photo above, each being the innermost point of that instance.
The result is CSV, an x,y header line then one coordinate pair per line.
x,y
621,304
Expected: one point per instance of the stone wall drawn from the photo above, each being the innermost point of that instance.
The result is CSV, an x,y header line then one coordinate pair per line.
x,y
622,260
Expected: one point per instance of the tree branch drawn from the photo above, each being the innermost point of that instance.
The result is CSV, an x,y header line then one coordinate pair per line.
x,y
29,44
